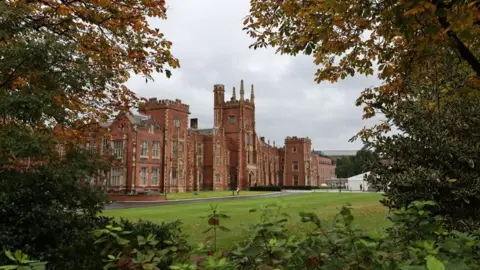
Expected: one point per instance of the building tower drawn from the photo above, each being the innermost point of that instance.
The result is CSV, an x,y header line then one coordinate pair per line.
x,y
219,174
172,116
239,127
218,101
297,161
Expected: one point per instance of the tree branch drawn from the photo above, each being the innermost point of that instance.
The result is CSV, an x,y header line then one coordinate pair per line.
x,y
464,51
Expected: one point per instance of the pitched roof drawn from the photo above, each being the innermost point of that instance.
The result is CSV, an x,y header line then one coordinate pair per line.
x,y
359,176
205,131
335,153
134,118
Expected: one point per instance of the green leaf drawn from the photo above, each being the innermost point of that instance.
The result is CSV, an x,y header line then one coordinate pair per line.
x,y
101,240
207,230
122,241
224,229
118,229
10,255
412,267
9,267
141,240
434,264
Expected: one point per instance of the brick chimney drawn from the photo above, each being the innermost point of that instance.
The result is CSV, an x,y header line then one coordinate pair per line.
x,y
194,123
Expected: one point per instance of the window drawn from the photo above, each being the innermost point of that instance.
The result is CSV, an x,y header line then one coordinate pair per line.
x,y
116,177
173,181
217,178
105,145
294,150
200,180
92,146
308,180
60,150
155,176
174,149
249,157
199,149
180,147
295,180
217,154
199,161
143,176
180,176
176,122
144,149
231,119
150,129
248,139
156,150
295,166
307,164
228,158
118,149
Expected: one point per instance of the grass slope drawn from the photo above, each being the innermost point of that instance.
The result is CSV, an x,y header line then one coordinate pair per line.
x,y
369,213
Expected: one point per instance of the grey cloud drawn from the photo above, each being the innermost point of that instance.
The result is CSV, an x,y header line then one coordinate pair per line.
x,y
212,48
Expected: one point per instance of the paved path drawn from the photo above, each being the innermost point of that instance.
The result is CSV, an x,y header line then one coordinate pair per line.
x,y
124,205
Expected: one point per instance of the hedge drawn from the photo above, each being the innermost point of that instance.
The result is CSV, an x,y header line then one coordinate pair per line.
x,y
279,188
265,188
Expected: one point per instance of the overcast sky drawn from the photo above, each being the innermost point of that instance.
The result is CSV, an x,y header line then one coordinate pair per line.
x,y
208,39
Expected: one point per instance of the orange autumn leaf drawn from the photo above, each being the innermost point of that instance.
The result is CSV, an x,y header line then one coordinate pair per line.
x,y
109,41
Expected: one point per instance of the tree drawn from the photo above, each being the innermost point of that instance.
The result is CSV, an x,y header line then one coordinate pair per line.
x,y
65,62
344,167
427,55
349,166
389,38
80,52
436,151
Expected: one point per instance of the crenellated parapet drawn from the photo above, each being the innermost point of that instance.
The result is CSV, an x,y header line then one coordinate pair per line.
x,y
154,104
236,103
219,87
295,139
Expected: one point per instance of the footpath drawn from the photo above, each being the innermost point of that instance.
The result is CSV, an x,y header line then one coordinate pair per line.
x,y
124,205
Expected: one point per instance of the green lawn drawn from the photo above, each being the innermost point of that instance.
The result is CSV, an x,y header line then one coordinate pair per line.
x,y
210,194
369,213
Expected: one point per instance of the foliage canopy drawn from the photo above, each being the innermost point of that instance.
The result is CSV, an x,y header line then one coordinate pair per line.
x,y
65,62
389,38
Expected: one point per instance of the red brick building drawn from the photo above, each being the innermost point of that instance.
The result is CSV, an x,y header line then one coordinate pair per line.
x,y
159,150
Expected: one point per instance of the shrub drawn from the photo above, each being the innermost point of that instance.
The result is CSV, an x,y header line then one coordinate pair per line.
x,y
435,145
49,214
20,261
300,187
265,188
166,237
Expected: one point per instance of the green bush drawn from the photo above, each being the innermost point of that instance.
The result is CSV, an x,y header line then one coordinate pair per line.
x,y
300,187
265,188
164,236
49,214
279,188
